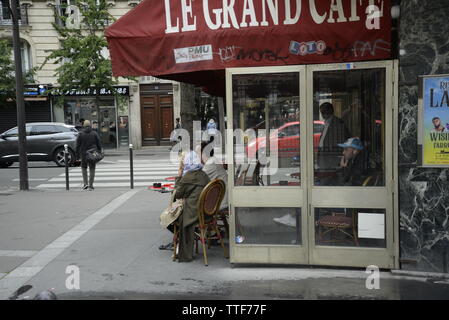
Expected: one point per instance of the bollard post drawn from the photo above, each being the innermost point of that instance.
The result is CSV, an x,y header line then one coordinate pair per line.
x,y
66,163
131,169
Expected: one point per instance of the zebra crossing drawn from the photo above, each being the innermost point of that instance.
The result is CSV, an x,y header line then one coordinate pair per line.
x,y
117,174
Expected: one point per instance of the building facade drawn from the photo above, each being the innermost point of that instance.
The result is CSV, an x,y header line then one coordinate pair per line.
x,y
118,121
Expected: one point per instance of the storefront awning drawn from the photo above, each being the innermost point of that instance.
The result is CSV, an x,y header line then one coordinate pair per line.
x,y
195,41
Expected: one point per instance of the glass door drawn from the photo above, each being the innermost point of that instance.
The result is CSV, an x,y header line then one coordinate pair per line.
x,y
350,164
265,107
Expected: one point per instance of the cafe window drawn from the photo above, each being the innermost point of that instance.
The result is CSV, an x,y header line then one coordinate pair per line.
x,y
349,111
268,226
266,125
350,227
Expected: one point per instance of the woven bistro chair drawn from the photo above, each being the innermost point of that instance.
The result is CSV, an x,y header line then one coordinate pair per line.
x,y
208,208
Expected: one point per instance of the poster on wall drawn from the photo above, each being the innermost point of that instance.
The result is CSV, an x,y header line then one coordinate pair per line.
x,y
434,121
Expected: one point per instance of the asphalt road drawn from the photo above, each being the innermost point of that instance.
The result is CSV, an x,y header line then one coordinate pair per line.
x,y
38,172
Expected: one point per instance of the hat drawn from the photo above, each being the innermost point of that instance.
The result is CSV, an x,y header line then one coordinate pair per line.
x,y
86,123
352,143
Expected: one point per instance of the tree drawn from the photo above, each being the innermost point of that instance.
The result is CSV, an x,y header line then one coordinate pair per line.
x,y
82,64
7,80
7,75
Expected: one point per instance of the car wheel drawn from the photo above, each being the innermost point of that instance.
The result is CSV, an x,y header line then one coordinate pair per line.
x,y
5,164
59,158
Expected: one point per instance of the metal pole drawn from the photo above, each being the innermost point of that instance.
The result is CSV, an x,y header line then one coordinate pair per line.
x,y
66,163
23,161
131,169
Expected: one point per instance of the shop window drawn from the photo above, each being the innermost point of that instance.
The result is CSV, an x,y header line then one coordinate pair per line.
x,y
268,226
266,126
350,227
102,118
349,127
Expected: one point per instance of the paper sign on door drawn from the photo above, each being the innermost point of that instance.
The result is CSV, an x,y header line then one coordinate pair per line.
x,y
371,225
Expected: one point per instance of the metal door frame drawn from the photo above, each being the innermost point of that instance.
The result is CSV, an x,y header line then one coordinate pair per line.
x,y
354,197
303,196
261,196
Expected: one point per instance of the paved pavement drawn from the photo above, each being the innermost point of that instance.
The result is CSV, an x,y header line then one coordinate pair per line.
x,y
111,235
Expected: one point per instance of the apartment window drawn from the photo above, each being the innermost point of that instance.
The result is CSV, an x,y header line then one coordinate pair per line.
x,y
25,51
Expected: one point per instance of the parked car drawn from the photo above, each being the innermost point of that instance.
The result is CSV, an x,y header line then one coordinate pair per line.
x,y
288,141
45,142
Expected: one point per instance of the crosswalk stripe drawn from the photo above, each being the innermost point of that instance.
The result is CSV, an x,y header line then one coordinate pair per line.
x,y
144,161
100,184
117,174
122,173
99,169
159,166
97,178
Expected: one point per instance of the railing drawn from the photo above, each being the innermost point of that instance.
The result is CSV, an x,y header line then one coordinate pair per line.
x,y
6,18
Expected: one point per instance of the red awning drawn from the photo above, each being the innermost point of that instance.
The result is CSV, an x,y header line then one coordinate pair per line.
x,y
194,41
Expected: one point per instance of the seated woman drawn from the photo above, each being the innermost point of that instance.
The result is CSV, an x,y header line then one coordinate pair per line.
x,y
188,186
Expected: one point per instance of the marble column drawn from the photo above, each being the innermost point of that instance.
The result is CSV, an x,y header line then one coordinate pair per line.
x,y
423,192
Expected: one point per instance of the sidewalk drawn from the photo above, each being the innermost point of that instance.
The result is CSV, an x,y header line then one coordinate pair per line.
x,y
113,237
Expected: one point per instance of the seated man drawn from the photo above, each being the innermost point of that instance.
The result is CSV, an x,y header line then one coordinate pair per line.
x,y
353,163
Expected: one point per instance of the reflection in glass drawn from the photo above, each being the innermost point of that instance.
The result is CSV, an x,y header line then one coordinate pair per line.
x,y
266,111
350,227
350,149
268,226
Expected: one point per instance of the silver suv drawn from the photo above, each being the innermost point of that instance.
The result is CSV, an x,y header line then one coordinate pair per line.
x,y
45,142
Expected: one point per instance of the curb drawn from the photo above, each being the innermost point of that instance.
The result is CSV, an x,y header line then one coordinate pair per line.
x,y
421,274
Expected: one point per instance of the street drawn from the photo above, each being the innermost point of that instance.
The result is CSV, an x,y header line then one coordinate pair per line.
x,y
109,238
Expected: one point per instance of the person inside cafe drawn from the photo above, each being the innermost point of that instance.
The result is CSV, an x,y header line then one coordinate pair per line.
x,y
334,132
353,163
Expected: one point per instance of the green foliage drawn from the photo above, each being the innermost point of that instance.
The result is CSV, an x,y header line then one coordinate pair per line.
x,y
7,74
82,65
7,80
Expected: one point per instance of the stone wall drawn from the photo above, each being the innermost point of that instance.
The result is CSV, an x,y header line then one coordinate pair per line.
x,y
423,192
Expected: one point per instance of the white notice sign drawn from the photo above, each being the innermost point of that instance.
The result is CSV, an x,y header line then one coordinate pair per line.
x,y
192,54
371,225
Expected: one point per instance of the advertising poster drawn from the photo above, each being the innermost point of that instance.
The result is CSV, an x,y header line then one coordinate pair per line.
x,y
435,121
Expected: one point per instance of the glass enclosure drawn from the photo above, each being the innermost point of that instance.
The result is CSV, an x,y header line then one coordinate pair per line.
x,y
311,181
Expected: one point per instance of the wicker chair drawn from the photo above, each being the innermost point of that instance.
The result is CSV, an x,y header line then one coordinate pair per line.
x,y
208,208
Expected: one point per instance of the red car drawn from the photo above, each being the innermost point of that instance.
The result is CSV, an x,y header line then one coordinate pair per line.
x,y
288,142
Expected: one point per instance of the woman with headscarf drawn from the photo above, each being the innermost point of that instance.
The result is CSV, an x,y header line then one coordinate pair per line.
x,y
188,186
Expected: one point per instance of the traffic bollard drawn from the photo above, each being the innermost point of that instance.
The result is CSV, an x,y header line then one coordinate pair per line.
x,y
131,169
66,163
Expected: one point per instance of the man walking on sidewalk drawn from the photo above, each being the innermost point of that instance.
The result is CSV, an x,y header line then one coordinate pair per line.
x,y
86,140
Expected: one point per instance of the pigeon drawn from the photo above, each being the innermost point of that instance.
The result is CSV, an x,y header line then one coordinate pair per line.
x,y
45,295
